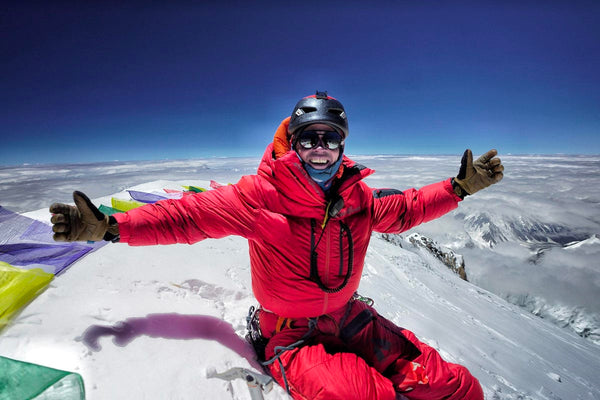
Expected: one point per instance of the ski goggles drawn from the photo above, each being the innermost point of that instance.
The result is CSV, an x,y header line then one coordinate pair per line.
x,y
312,139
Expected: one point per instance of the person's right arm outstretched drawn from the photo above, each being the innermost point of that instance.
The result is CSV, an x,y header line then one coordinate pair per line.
x,y
211,214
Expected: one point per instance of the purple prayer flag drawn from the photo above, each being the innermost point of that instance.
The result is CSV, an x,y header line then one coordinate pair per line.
x,y
59,256
38,231
145,197
25,241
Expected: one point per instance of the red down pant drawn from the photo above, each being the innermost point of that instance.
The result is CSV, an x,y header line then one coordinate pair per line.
x,y
354,353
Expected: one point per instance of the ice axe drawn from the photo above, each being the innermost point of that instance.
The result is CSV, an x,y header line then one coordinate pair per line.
x,y
257,383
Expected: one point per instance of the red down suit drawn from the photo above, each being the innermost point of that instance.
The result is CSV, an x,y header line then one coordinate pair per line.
x,y
290,228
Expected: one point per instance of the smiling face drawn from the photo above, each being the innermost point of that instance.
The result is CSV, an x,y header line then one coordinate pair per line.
x,y
319,157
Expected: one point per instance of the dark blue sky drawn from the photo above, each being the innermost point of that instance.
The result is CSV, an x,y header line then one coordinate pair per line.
x,y
99,81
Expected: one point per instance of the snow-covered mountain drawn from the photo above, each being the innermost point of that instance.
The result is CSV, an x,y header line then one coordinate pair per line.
x,y
488,230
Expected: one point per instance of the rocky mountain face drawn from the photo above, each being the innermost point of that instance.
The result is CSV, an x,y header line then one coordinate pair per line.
x,y
455,262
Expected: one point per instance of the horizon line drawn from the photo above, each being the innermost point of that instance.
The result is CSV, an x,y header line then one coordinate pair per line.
x,y
145,160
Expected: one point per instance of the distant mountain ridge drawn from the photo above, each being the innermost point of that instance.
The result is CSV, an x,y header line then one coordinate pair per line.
x,y
488,230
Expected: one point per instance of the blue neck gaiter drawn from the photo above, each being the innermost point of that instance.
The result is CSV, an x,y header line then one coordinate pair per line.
x,y
323,177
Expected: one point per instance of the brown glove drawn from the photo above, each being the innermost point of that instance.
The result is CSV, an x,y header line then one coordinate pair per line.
x,y
82,222
474,176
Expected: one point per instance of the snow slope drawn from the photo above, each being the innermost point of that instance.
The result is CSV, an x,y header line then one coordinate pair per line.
x,y
151,322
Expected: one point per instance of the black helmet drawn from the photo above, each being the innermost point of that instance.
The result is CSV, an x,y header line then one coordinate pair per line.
x,y
319,108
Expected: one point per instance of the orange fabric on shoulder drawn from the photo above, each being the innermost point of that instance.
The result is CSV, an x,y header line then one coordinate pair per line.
x,y
281,142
